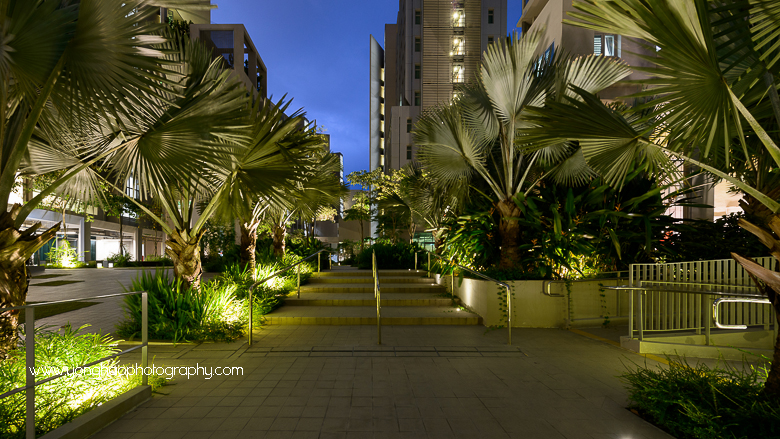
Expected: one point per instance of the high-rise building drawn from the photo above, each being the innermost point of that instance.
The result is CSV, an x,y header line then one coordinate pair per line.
x,y
434,46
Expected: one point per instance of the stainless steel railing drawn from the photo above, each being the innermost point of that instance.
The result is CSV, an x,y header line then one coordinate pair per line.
x,y
277,273
29,346
488,278
378,297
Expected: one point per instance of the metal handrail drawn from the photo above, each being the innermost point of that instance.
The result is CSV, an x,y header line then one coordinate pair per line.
x,y
377,296
29,342
732,300
277,273
689,291
488,278
546,284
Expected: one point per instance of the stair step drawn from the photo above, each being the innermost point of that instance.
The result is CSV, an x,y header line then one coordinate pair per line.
x,y
370,280
369,288
354,272
367,299
366,315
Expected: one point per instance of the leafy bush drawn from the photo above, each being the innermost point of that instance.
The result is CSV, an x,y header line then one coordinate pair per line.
x,y
120,259
703,403
61,400
63,256
388,256
181,315
700,240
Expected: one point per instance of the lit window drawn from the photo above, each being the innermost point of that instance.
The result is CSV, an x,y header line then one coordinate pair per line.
x,y
416,44
490,16
408,152
417,17
409,125
131,189
458,18
458,73
458,46
417,98
416,71
607,45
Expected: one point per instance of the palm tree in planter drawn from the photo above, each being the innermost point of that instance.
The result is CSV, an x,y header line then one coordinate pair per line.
x,y
711,100
72,65
285,150
476,135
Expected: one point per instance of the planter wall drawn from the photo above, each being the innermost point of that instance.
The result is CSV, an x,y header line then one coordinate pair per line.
x,y
532,308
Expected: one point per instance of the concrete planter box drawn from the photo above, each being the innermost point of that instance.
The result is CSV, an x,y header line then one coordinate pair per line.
x,y
532,308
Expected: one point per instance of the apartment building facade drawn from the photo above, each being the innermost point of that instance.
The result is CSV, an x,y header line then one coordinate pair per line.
x,y
433,48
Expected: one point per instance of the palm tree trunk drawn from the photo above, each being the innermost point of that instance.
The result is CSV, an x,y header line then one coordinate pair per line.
x,y
509,234
184,251
248,245
279,235
16,246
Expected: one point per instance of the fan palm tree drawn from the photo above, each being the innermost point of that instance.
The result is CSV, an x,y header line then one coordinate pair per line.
x,y
285,150
64,63
476,134
711,100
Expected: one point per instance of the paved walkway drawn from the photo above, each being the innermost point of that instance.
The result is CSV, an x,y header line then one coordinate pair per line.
x,y
336,382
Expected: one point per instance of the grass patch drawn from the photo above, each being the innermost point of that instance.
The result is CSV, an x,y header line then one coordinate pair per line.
x,y
42,312
56,283
62,400
698,402
49,276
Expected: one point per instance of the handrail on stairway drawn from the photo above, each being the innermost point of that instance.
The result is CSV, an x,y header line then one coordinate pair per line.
x,y
377,296
483,276
277,273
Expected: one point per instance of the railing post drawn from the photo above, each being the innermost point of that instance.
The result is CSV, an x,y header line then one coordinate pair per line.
x,y
250,315
144,337
299,280
509,312
429,264
29,346
641,317
708,318
415,261
318,262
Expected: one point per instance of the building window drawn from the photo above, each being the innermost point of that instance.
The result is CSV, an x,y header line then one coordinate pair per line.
x,y
607,45
417,17
409,124
408,152
459,18
416,71
417,99
458,46
490,16
490,39
416,44
458,73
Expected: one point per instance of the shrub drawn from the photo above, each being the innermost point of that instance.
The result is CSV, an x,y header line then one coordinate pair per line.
x,y
61,400
388,256
63,256
703,403
697,240
213,313
120,259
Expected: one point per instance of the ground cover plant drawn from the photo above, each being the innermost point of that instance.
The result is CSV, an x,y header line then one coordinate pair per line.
x,y
388,255
63,399
699,402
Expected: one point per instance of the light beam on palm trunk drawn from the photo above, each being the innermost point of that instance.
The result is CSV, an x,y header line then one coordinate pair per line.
x,y
710,100
475,136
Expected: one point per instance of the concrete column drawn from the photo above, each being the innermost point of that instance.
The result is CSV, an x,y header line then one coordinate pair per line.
x,y
139,242
85,241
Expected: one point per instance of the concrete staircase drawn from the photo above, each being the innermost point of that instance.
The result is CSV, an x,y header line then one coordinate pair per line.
x,y
345,296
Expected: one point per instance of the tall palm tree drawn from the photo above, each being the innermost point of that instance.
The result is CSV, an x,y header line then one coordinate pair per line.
x,y
476,134
64,63
711,100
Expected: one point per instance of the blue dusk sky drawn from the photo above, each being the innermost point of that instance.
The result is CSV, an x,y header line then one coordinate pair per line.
x,y
317,52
